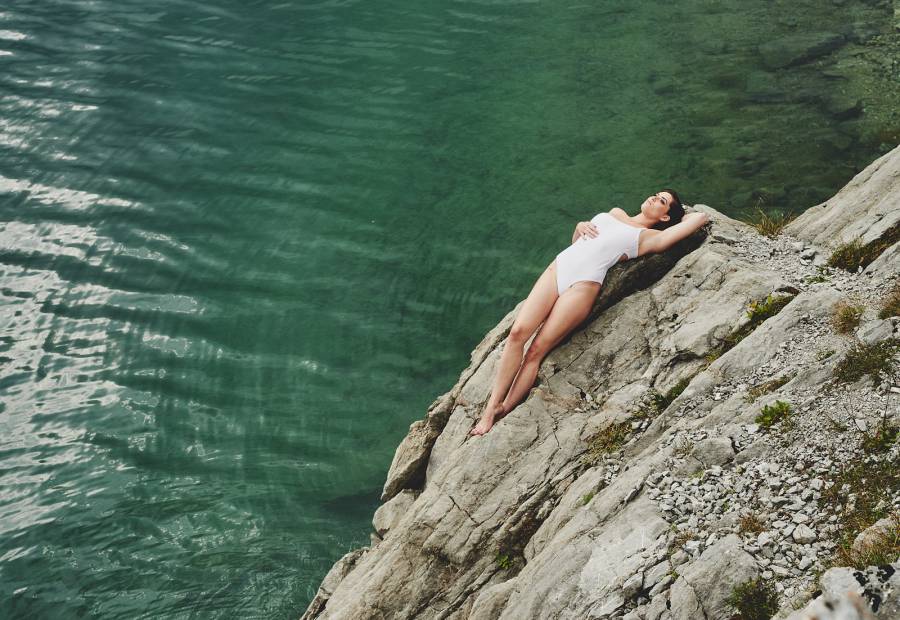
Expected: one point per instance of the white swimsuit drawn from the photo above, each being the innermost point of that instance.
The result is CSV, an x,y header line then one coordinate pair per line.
x,y
590,258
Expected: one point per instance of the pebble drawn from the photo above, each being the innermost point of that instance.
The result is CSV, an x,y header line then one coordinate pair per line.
x,y
803,534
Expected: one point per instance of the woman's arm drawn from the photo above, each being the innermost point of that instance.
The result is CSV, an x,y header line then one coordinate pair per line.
x,y
664,239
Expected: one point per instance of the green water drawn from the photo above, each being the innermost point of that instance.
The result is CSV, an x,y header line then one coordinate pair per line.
x,y
244,244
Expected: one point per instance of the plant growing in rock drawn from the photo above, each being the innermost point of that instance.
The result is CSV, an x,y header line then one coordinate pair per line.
x,y
757,312
845,317
674,392
769,386
754,600
880,549
587,498
683,447
822,273
712,356
890,305
767,224
653,403
649,407
876,360
859,493
882,438
770,415
855,254
751,524
824,354
680,539
503,561
849,256
607,441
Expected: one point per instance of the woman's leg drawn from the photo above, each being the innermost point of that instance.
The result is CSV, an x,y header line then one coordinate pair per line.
x,y
537,306
572,307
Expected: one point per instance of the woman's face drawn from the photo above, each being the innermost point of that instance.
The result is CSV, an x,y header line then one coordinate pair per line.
x,y
656,207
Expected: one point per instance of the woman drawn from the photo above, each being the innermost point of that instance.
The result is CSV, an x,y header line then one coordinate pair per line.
x,y
565,293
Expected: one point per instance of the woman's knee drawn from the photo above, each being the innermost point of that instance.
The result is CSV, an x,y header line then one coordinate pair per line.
x,y
519,334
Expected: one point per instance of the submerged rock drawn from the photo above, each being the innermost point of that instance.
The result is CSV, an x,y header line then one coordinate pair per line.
x,y
799,48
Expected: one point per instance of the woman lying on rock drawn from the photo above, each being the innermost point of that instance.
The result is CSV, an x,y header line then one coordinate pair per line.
x,y
565,293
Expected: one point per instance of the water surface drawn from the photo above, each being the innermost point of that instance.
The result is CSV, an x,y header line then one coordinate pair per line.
x,y
244,244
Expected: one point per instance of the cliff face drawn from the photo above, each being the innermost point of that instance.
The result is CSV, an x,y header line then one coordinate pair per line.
x,y
703,429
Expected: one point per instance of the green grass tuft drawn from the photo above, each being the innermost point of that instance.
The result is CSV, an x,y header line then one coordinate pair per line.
x,y
754,600
822,273
855,254
757,312
773,414
890,305
655,403
824,354
767,224
607,441
881,440
876,360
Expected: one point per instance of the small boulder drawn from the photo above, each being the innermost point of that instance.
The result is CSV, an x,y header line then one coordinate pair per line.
x,y
803,534
714,451
389,513
874,534
871,332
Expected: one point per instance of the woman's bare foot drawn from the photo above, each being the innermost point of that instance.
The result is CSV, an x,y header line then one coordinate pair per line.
x,y
488,417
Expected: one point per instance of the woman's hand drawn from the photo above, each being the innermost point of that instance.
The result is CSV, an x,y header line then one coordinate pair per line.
x,y
584,229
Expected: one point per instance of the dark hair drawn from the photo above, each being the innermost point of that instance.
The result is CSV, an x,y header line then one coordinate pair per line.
x,y
676,211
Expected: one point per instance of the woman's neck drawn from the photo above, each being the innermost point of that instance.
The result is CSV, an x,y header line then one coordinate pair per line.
x,y
642,220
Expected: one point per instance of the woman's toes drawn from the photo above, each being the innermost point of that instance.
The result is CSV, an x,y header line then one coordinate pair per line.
x,y
480,429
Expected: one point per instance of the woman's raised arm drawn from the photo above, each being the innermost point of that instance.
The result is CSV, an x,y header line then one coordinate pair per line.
x,y
665,239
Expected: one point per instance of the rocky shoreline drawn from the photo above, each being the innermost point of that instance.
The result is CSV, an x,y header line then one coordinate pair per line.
x,y
722,431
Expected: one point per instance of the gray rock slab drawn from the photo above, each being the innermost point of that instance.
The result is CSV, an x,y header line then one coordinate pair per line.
x,y
864,209
491,600
875,331
703,586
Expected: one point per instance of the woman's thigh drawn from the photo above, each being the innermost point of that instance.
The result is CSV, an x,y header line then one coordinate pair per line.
x,y
538,304
572,307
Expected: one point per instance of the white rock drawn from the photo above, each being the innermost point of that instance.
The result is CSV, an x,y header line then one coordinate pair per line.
x,y
803,534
